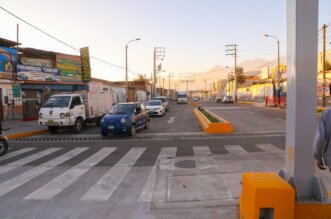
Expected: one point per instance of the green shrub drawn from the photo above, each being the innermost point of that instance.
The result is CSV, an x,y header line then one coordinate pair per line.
x,y
209,117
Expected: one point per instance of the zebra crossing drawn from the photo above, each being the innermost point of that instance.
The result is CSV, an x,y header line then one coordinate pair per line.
x,y
104,187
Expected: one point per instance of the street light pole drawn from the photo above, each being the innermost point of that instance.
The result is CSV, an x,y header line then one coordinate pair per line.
x,y
278,69
126,68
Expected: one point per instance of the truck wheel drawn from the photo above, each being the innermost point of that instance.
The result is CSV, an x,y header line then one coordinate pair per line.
x,y
78,126
98,122
147,124
53,129
133,130
104,134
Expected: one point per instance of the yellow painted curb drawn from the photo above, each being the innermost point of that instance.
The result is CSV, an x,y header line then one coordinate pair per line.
x,y
312,211
213,128
246,103
26,134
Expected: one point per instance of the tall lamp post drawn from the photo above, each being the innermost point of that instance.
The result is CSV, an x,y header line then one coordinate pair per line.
x,y
126,68
278,71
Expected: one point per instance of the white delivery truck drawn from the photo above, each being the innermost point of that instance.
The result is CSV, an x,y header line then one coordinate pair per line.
x,y
182,97
76,109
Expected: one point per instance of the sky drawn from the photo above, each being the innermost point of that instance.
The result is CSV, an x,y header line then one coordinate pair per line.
x,y
193,32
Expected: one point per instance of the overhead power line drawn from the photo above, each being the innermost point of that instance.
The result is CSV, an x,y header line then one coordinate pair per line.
x,y
62,42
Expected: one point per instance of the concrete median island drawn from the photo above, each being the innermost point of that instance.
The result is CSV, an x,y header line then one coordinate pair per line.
x,y
212,123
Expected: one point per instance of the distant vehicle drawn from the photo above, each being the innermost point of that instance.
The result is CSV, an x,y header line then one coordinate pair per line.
x,y
196,99
182,97
74,110
164,101
219,99
155,107
228,99
124,118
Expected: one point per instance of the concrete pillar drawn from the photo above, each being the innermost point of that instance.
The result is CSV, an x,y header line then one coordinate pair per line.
x,y
302,38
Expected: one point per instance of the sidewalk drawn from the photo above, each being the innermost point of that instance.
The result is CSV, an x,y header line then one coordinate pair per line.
x,y
21,129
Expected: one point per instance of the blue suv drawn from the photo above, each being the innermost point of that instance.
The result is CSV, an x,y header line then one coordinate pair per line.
x,y
124,118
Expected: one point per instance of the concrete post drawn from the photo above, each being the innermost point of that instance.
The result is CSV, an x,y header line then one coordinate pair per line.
x,y
302,38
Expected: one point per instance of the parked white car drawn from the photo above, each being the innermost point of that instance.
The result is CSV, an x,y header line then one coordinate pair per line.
x,y
155,107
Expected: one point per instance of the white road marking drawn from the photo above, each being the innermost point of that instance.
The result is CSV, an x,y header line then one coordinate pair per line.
x,y
171,120
26,160
201,151
15,153
147,192
283,120
19,180
268,148
235,149
58,184
107,184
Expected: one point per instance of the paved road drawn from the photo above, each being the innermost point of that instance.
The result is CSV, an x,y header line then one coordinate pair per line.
x,y
128,178
245,118
181,173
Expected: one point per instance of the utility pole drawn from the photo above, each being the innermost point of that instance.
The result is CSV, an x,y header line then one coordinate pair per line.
x,y
159,54
231,50
324,63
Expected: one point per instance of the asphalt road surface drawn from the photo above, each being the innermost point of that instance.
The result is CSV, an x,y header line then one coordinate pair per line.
x,y
172,170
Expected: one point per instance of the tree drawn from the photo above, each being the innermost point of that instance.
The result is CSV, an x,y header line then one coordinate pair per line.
x,y
327,66
241,79
141,77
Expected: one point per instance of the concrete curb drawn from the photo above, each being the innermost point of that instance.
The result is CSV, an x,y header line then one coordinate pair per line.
x,y
213,128
246,103
26,134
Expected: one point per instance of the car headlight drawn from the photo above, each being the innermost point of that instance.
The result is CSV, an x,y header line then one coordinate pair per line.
x,y
123,120
40,115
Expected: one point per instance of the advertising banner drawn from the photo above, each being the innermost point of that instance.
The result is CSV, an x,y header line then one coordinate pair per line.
x,y
7,62
70,67
37,62
38,73
86,68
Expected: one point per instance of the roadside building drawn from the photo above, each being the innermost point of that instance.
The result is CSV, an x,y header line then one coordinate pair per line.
x,y
44,73
10,91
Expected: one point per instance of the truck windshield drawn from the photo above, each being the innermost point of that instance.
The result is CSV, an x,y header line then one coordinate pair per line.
x,y
181,96
121,109
59,101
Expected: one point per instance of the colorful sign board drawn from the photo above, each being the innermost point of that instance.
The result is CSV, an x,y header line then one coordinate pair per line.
x,y
36,62
7,62
85,60
38,73
70,67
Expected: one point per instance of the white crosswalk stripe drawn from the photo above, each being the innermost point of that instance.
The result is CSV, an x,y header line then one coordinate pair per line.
x,y
103,188
269,148
235,149
201,151
23,161
19,180
147,192
15,153
107,184
58,184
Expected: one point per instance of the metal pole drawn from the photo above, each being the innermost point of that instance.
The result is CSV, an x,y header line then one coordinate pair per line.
x,y
17,60
169,87
154,71
278,73
324,72
235,75
126,73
